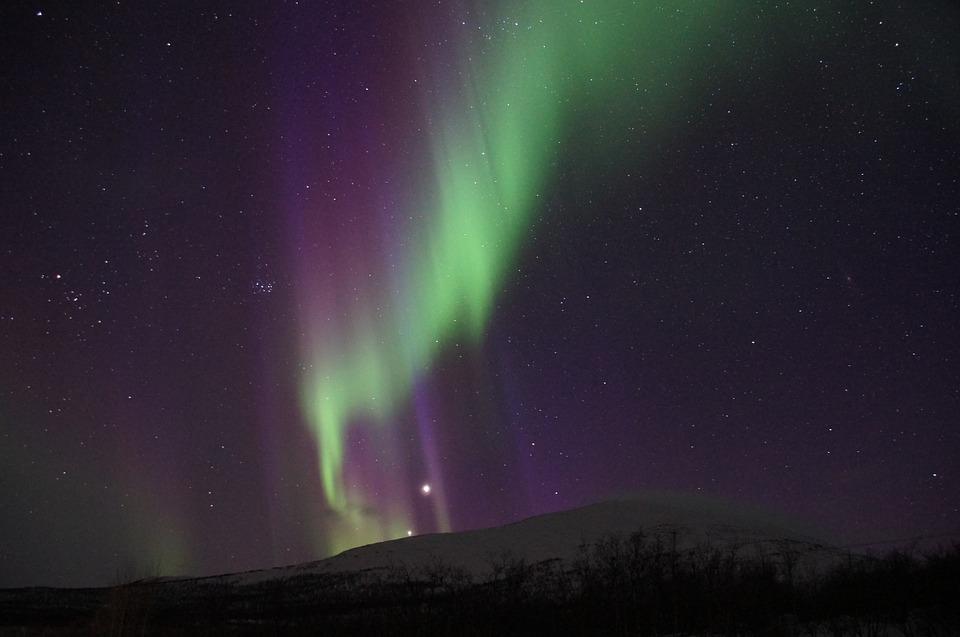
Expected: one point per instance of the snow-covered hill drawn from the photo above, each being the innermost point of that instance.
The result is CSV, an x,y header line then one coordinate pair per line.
x,y
703,567
682,522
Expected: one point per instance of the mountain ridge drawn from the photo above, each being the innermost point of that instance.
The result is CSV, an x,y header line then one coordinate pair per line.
x,y
690,521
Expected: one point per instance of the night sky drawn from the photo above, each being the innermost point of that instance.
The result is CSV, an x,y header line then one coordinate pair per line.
x,y
268,271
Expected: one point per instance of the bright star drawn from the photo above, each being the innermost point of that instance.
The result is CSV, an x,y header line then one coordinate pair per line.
x,y
426,489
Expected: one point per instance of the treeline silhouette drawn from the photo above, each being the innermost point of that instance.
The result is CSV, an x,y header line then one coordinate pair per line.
x,y
636,585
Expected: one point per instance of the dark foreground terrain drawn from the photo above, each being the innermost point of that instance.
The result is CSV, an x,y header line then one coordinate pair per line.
x,y
634,585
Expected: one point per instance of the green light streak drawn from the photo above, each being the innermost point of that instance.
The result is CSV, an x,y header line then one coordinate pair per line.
x,y
492,143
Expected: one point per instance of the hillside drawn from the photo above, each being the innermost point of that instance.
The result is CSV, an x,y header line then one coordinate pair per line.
x,y
655,564
687,521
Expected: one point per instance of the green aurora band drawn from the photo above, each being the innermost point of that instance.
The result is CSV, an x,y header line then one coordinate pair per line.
x,y
542,68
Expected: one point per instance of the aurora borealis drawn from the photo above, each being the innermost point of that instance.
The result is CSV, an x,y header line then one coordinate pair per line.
x,y
504,108
270,271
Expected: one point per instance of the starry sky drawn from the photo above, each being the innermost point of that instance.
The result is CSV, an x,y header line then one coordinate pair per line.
x,y
279,279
